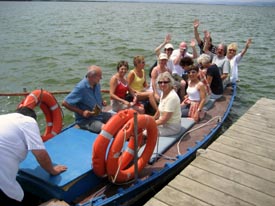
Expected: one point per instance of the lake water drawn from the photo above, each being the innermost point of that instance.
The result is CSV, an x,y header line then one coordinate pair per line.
x,y
50,44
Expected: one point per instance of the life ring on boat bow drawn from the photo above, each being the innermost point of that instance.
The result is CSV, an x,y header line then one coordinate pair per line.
x,y
116,162
102,141
50,108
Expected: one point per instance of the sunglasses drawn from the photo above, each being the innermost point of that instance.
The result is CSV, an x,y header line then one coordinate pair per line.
x,y
163,82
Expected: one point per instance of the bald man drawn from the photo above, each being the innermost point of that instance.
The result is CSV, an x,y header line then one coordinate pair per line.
x,y
85,100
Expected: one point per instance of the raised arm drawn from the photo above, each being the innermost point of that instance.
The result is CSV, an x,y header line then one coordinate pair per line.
x,y
248,42
207,42
194,51
196,24
166,41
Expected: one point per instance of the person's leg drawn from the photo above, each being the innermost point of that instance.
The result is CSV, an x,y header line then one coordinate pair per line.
x,y
106,116
93,126
215,96
148,96
168,130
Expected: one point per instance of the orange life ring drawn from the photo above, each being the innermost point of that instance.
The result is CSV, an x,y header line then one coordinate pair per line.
x,y
116,169
50,108
102,141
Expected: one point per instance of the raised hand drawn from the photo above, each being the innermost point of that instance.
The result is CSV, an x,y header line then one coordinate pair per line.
x,y
196,23
168,38
193,43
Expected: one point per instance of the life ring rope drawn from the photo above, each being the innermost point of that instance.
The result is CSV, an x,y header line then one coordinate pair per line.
x,y
113,179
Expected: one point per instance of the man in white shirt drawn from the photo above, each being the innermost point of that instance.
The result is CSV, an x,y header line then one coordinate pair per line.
x,y
19,133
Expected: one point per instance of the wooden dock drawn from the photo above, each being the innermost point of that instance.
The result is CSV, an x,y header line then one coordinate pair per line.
x,y
237,169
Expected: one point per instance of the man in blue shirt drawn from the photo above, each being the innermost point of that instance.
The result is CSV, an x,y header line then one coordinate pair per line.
x,y
86,102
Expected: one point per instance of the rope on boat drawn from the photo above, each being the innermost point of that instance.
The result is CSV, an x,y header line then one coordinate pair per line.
x,y
120,159
213,118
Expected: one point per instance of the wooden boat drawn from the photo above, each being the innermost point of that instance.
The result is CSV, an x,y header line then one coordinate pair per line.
x,y
79,185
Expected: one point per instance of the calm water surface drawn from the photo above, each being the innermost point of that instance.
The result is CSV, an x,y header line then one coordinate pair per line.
x,y
50,44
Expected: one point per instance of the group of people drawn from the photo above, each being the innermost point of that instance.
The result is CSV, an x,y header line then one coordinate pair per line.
x,y
194,78
181,83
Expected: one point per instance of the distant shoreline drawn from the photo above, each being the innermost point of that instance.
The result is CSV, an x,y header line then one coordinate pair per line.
x,y
203,2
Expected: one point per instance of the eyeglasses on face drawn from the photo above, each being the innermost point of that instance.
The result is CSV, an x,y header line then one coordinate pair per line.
x,y
163,82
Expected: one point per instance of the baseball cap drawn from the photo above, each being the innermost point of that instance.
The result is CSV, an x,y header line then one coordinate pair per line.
x,y
163,56
168,46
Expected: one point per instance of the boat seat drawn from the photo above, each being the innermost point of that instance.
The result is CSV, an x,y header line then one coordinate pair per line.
x,y
165,142
76,145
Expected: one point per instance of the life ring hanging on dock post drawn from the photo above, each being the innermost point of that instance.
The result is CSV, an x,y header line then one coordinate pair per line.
x,y
51,109
115,167
102,141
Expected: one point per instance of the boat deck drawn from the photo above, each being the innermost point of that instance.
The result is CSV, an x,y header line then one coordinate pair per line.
x,y
237,169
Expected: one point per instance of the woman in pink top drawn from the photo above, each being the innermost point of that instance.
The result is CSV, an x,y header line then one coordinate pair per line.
x,y
119,89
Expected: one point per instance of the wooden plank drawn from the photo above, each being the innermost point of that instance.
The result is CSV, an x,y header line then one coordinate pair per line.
x,y
250,139
252,132
173,196
204,192
154,202
262,121
235,175
265,102
54,202
228,187
243,155
262,127
247,146
241,165
262,112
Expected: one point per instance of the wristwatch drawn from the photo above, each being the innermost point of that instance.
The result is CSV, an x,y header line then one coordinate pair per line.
x,y
199,110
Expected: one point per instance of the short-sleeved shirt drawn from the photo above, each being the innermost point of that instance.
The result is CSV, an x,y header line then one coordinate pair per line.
x,y
85,97
223,64
234,73
216,84
18,135
177,68
171,104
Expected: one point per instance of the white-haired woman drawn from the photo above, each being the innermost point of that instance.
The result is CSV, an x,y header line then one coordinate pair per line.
x,y
169,111
213,76
235,59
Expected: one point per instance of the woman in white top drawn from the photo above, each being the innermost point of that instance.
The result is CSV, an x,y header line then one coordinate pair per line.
x,y
169,113
160,68
235,59
196,95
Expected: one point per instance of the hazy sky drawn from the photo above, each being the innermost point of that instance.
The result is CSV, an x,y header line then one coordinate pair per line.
x,y
209,1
